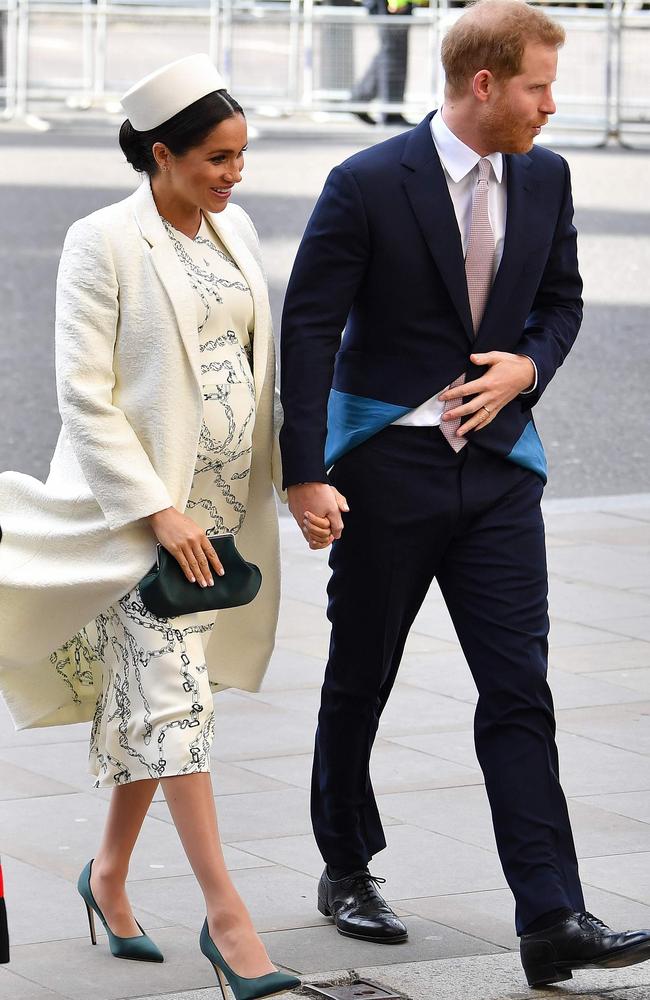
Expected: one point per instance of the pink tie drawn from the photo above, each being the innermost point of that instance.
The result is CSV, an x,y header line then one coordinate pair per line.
x,y
479,262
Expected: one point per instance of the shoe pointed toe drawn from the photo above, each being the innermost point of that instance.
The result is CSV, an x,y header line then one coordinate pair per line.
x,y
139,948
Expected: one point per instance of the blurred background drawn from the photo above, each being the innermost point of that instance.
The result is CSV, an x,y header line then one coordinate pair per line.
x,y
320,81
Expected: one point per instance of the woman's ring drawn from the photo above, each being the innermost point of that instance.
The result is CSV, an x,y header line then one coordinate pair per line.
x,y
487,411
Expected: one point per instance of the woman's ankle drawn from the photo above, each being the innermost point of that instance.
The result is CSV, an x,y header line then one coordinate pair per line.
x,y
107,870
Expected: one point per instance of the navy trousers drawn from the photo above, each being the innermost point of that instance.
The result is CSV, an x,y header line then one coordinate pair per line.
x,y
473,521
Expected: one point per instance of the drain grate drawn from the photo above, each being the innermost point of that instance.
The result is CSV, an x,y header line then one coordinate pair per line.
x,y
361,990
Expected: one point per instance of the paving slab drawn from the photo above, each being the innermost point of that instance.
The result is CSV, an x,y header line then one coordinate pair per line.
x,y
637,679
564,632
246,727
636,805
14,987
496,977
416,862
617,770
47,907
408,708
31,737
608,565
44,768
628,654
417,642
82,972
448,674
624,726
490,915
633,628
594,604
290,671
300,618
279,813
318,949
60,833
464,814
393,768
626,874
18,782
278,898
598,527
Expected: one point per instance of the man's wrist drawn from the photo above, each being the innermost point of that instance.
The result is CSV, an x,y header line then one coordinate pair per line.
x,y
532,385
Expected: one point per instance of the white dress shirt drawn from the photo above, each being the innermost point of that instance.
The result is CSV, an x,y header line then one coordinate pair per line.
x,y
460,165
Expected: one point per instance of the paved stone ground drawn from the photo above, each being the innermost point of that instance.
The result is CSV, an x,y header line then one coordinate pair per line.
x,y
441,865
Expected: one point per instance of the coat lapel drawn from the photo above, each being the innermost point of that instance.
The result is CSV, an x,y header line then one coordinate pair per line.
x,y
170,271
225,227
174,280
518,222
428,194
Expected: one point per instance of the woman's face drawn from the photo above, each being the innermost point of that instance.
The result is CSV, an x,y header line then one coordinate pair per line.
x,y
205,175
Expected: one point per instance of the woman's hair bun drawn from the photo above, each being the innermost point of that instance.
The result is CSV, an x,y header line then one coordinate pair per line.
x,y
137,152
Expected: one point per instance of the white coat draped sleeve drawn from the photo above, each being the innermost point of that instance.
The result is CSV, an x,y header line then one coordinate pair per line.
x,y
128,387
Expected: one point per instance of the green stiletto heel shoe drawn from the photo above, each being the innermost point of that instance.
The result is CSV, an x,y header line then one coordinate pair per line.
x,y
244,989
140,948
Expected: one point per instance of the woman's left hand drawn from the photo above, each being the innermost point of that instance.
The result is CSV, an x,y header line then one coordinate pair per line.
x,y
507,376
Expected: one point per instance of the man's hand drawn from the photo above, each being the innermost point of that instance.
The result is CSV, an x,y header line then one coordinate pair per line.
x,y
507,376
316,508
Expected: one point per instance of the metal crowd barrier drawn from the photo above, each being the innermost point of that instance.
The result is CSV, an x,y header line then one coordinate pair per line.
x,y
287,56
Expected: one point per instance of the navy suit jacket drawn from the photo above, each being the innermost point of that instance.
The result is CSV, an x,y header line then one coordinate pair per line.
x,y
381,260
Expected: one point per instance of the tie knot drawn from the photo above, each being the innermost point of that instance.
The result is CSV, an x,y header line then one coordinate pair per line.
x,y
483,170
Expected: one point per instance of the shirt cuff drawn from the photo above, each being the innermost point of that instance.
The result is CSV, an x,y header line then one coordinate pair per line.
x,y
527,392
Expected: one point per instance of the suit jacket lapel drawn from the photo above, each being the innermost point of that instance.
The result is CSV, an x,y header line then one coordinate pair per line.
x,y
170,271
427,191
518,187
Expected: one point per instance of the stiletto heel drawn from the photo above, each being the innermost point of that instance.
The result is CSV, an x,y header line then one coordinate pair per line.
x,y
91,924
140,948
244,989
223,982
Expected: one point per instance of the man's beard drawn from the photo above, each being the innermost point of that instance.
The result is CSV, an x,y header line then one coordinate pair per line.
x,y
503,130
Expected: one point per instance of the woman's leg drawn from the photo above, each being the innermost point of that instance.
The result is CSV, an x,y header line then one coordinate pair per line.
x,y
128,808
191,803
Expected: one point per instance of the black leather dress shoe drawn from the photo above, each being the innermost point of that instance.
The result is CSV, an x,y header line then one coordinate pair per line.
x,y
580,941
357,908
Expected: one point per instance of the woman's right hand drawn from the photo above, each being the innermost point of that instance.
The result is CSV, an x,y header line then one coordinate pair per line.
x,y
188,544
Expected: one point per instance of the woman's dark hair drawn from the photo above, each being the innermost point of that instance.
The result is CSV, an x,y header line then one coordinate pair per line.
x,y
181,133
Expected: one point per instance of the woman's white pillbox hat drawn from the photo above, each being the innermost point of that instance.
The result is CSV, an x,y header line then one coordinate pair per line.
x,y
161,95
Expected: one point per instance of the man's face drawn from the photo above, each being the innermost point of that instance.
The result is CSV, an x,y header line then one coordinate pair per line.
x,y
521,106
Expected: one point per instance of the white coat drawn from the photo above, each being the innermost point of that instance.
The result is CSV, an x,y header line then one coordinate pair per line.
x,y
127,366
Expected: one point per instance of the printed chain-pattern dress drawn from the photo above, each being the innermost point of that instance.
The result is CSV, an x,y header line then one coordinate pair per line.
x,y
154,717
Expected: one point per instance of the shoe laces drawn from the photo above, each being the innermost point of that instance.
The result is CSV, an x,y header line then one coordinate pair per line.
x,y
589,918
367,884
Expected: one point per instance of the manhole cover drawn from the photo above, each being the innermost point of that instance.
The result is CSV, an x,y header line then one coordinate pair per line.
x,y
360,990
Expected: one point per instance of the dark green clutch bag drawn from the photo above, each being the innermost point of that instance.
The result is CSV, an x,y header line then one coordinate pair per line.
x,y
166,592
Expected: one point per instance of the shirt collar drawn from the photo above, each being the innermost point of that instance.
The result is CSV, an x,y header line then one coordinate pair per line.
x,y
457,158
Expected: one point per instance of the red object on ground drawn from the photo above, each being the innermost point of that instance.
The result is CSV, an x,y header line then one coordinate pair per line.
x,y
4,931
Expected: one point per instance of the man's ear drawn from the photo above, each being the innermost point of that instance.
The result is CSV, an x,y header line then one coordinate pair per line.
x,y
482,84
